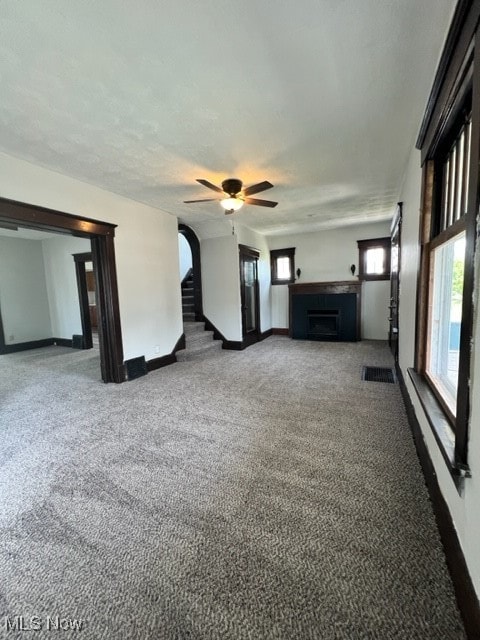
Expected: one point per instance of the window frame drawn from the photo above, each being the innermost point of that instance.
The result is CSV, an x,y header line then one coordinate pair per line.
x,y
455,93
374,243
275,254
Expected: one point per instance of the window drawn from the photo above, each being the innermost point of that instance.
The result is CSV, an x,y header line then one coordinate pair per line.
x,y
374,259
282,263
445,292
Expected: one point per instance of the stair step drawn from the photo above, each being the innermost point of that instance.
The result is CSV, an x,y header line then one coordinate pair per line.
x,y
188,317
193,327
201,352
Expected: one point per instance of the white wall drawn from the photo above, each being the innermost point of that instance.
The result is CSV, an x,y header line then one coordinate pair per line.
x,y
221,285
464,509
325,256
146,246
184,255
23,291
61,280
258,241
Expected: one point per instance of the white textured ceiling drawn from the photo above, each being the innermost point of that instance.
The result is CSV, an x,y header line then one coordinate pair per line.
x,y
322,97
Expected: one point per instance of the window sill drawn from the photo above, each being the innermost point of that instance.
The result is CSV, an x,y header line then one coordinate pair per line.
x,y
440,426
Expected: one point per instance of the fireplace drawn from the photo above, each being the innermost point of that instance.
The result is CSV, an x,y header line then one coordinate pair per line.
x,y
325,310
323,324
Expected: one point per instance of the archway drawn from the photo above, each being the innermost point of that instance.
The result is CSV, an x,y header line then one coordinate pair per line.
x,y
194,244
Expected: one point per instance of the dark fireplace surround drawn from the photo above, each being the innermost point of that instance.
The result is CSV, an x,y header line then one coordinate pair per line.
x,y
325,311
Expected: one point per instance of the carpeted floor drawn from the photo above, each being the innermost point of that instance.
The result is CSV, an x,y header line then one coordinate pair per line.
x,y
263,494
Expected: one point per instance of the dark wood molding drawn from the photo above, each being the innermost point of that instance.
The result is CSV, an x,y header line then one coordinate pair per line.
x,y
103,254
249,251
170,358
459,38
63,342
467,600
36,217
80,272
25,346
109,328
363,246
282,253
280,332
265,334
233,345
194,243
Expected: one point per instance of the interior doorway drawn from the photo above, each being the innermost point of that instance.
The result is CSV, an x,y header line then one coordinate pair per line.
x,y
249,293
101,235
196,270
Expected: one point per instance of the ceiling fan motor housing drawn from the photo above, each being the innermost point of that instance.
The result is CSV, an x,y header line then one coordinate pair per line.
x,y
232,186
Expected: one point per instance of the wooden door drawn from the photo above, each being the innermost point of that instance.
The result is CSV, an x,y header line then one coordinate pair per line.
x,y
395,281
249,294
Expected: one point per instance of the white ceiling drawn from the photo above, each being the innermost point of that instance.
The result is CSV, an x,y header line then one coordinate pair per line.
x,y
322,97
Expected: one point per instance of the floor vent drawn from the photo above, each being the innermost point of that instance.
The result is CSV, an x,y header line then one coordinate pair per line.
x,y
136,367
378,374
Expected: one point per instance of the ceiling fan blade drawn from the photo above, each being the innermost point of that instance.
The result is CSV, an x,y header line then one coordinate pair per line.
x,y
208,184
256,188
203,200
261,203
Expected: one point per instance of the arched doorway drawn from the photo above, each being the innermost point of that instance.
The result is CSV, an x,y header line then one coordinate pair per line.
x,y
194,244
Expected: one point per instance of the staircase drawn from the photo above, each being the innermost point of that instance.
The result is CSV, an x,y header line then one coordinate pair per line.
x,y
199,344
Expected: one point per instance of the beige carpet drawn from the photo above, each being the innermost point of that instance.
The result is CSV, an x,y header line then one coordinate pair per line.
x,y
263,494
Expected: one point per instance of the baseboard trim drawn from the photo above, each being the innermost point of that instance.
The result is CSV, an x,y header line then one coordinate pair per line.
x,y
280,332
234,345
467,600
209,326
63,342
265,334
25,346
170,358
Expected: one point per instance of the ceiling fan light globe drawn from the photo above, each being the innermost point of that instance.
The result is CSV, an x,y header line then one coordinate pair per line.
x,y
230,204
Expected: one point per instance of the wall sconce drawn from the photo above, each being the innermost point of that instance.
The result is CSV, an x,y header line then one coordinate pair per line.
x,y
352,269
299,272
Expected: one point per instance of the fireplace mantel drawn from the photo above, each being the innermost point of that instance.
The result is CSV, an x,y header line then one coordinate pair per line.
x,y
318,296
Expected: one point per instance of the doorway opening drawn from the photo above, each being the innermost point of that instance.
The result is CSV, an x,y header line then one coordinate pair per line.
x,y
16,215
249,294
190,274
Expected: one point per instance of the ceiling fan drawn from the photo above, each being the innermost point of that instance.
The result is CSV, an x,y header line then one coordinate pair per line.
x,y
232,195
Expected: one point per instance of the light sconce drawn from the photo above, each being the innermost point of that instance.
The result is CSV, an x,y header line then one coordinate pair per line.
x,y
352,269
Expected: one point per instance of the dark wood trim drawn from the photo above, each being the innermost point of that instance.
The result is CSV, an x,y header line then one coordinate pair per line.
x,y
194,243
80,272
282,253
280,332
462,424
458,40
467,600
35,217
339,286
234,345
265,334
63,342
249,251
373,243
109,328
103,253
170,358
25,346
447,234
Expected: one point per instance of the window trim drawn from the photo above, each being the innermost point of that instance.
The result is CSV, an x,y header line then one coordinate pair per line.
x,y
275,254
374,243
456,86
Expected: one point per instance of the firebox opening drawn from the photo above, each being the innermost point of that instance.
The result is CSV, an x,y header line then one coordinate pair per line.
x,y
323,325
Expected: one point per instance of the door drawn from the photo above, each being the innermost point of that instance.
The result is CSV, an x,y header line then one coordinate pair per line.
x,y
395,281
249,294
